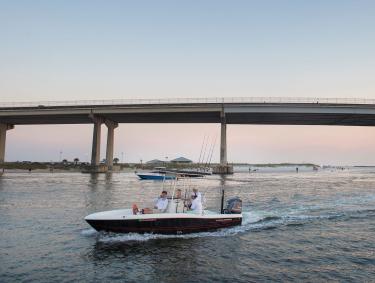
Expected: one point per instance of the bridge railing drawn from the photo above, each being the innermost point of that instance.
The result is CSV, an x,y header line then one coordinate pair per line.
x,y
294,100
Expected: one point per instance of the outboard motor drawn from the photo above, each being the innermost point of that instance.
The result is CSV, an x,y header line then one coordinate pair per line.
x,y
234,206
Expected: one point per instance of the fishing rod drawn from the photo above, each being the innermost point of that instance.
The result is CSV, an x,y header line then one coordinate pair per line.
x,y
208,156
200,154
212,151
205,148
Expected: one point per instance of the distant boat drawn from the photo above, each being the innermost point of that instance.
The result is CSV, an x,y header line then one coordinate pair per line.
x,y
160,169
155,176
195,172
182,172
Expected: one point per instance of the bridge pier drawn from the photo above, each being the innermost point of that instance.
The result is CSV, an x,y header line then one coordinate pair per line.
x,y
223,142
95,166
111,126
3,134
95,152
223,167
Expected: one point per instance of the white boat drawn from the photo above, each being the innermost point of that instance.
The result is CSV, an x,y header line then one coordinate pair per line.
x,y
176,220
123,221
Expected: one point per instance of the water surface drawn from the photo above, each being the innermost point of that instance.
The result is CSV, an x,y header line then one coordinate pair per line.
x,y
310,226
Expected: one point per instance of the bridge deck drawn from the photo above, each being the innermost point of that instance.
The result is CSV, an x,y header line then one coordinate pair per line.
x,y
276,113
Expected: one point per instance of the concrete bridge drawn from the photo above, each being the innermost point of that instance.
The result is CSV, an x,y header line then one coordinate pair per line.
x,y
275,111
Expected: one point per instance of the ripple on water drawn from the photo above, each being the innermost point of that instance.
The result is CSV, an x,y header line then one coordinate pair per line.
x,y
305,227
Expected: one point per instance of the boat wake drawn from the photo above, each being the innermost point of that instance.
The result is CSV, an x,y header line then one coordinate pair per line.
x,y
89,232
254,221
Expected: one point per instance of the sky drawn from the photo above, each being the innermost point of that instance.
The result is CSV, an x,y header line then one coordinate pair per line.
x,y
87,50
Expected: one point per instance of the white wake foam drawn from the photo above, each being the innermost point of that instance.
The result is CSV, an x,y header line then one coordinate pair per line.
x,y
89,232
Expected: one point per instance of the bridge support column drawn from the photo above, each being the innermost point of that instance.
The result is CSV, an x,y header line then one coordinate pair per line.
x,y
223,168
95,166
111,126
3,134
223,143
95,152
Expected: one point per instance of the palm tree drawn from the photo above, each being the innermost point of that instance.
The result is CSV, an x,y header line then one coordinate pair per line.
x,y
116,160
76,160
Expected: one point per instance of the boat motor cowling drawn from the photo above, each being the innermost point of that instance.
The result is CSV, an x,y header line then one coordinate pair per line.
x,y
234,206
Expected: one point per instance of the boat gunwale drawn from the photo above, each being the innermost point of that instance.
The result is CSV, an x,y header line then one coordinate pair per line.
x,y
124,215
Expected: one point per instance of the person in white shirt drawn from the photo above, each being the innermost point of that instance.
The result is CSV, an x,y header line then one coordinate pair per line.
x,y
196,202
196,194
161,205
162,202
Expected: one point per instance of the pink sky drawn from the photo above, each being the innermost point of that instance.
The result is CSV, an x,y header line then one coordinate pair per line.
x,y
246,143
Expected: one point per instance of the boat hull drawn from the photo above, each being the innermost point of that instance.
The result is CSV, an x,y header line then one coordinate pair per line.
x,y
154,177
173,225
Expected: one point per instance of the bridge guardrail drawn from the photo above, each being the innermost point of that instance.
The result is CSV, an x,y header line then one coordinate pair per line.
x,y
135,101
